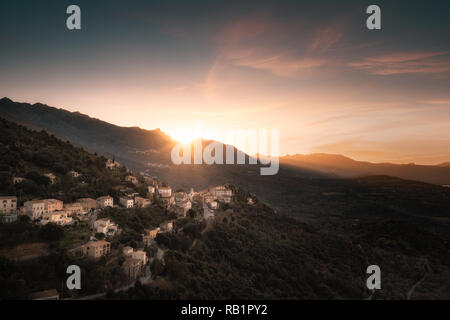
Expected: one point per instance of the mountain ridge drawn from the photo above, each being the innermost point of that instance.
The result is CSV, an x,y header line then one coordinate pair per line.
x,y
289,191
349,168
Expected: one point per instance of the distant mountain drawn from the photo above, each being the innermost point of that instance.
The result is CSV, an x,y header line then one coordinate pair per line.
x,y
349,168
444,164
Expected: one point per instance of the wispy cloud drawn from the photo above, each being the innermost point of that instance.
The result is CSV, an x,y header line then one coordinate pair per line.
x,y
281,48
405,62
280,64
445,101
326,37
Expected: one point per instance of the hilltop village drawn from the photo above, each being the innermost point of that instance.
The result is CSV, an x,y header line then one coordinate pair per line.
x,y
104,218
134,236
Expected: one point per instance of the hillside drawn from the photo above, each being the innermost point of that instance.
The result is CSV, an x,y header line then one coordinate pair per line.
x,y
93,134
302,181
444,164
349,168
150,150
248,251
252,252
31,154
144,150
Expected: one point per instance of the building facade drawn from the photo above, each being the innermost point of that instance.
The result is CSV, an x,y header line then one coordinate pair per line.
x,y
87,204
142,202
105,201
126,202
98,249
35,209
8,205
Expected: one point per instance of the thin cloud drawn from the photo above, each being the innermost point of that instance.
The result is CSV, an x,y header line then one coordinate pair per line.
x,y
437,101
404,63
325,38
282,48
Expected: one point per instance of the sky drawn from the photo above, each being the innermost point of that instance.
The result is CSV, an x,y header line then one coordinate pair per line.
x,y
311,69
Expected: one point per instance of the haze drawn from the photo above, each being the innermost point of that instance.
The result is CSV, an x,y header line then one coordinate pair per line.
x,y
310,69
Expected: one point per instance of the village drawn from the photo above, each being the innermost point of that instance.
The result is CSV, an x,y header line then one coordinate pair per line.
x,y
90,212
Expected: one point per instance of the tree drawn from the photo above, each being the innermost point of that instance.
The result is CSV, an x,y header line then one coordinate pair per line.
x,y
100,236
191,213
51,232
157,267
38,178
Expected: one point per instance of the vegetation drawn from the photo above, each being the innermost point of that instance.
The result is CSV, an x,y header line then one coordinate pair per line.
x,y
248,251
51,232
31,154
252,252
133,222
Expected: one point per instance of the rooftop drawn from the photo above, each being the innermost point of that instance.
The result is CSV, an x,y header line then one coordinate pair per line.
x,y
7,197
99,243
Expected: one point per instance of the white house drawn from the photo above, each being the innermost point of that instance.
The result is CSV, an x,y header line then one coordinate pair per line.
x,y
131,179
105,201
140,255
35,209
165,192
59,217
8,205
106,226
126,202
75,208
53,205
142,202
111,164
221,193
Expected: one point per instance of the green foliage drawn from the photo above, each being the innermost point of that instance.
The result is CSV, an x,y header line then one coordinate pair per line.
x,y
135,221
100,236
251,252
157,268
19,231
51,232
174,241
31,154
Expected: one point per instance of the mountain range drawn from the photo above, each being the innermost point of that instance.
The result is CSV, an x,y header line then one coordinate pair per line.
x,y
150,149
300,178
345,167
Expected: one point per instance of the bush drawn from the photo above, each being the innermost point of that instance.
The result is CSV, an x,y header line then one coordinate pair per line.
x,y
100,236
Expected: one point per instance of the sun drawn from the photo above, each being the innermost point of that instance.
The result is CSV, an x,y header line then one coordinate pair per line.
x,y
182,136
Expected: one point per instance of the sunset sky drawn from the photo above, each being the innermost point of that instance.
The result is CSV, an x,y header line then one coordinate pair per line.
x,y
309,68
